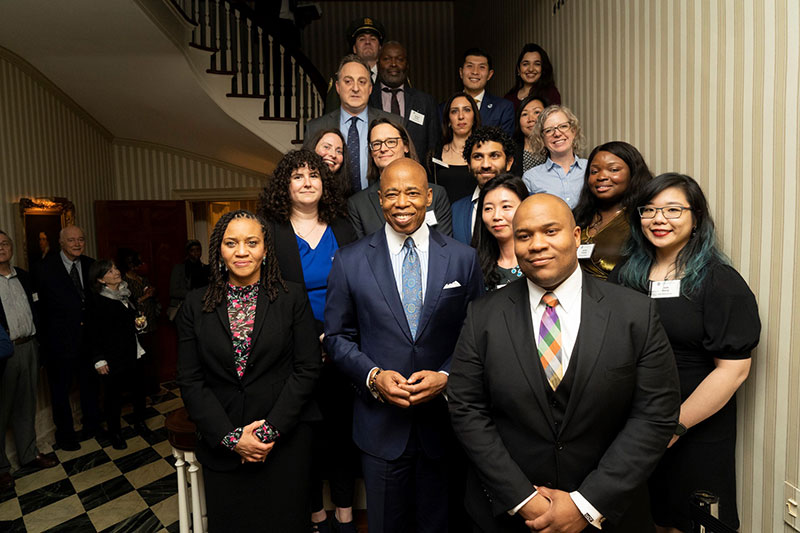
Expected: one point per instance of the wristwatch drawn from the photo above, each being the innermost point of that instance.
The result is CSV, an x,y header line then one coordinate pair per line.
x,y
680,430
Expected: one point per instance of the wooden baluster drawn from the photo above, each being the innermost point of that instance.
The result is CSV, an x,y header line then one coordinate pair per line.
x,y
247,79
183,502
294,108
203,24
283,111
236,52
225,27
301,98
259,73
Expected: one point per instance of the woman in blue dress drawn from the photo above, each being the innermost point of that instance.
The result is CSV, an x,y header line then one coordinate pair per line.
x,y
308,218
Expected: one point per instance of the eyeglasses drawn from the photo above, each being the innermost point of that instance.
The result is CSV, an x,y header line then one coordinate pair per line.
x,y
390,143
563,128
5,244
669,212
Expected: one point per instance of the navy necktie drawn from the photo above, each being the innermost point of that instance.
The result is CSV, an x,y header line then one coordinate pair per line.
x,y
412,286
354,154
76,280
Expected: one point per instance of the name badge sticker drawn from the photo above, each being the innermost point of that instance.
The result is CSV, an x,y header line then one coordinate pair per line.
x,y
430,218
417,118
665,289
585,251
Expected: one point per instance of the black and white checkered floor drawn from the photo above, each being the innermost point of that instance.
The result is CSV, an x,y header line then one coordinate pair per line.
x,y
98,488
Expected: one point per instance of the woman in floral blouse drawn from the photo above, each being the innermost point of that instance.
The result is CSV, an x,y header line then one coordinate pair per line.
x,y
248,362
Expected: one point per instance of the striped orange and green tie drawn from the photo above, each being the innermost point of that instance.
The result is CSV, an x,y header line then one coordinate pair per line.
x,y
549,342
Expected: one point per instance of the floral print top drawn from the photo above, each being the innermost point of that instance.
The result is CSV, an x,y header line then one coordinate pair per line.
x,y
242,317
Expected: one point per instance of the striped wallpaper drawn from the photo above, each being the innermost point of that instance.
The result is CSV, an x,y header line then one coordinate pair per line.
x,y
48,147
424,27
709,88
144,171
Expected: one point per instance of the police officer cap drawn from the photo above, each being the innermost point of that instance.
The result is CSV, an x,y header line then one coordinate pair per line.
x,y
365,25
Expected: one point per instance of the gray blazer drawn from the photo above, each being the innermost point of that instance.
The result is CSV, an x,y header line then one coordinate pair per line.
x,y
367,216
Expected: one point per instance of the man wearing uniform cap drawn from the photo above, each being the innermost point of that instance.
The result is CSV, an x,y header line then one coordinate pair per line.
x,y
365,36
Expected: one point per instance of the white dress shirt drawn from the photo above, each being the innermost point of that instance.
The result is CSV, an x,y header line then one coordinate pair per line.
x,y
475,195
568,309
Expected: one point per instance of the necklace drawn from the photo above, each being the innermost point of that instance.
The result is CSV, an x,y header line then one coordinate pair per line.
x,y
598,225
306,232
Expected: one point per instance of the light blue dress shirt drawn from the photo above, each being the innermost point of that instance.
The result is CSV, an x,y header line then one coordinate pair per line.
x,y
549,177
363,128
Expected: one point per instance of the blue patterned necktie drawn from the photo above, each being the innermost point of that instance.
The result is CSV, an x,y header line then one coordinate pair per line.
x,y
353,151
412,286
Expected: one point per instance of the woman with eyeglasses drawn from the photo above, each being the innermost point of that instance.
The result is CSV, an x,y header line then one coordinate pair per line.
x,y
557,135
616,173
711,318
388,142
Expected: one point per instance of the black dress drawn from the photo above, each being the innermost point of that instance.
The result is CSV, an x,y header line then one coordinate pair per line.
x,y
457,180
720,321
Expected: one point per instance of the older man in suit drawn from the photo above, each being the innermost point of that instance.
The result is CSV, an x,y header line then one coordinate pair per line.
x,y
18,385
395,304
563,390
354,86
393,94
63,285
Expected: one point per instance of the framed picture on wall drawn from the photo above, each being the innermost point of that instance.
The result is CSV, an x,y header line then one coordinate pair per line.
x,y
42,220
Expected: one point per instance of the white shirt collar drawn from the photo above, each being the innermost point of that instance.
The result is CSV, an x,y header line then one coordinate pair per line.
x,y
12,274
476,193
67,263
567,293
396,240
479,98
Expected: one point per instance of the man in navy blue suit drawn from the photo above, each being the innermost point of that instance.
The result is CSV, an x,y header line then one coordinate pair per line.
x,y
475,73
396,301
489,153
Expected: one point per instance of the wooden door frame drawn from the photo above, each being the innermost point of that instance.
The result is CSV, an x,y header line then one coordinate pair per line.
x,y
211,195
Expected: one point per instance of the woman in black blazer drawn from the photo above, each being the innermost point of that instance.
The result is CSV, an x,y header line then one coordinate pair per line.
x,y
309,223
248,362
118,357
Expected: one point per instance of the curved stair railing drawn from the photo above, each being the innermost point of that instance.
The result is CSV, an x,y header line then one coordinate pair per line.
x,y
259,65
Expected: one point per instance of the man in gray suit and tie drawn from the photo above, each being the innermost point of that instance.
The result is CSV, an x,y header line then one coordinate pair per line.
x,y
354,85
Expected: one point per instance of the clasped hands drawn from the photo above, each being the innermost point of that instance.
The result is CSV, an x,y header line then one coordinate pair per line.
x,y
418,388
552,511
250,447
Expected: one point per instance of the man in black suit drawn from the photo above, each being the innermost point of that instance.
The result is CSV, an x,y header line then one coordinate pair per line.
x,y
563,390
365,37
393,94
18,385
354,86
63,286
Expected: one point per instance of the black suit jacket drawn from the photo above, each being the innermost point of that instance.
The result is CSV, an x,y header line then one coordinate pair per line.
x,y
425,135
111,333
619,418
27,284
367,217
279,380
62,313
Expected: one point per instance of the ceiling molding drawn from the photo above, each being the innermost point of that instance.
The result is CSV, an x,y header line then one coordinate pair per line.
x,y
48,85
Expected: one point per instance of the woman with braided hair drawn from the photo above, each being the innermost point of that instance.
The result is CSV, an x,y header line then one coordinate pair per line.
x,y
248,362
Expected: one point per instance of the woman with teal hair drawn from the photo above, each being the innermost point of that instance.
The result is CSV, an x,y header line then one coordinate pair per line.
x,y
711,318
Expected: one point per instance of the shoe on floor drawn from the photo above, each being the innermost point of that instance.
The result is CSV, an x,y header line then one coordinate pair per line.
x,y
118,442
142,429
90,433
344,527
321,527
42,461
6,481
69,445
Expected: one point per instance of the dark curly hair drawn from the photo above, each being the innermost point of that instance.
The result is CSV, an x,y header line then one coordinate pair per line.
x,y
275,203
487,134
342,176
447,128
271,279
482,239
639,174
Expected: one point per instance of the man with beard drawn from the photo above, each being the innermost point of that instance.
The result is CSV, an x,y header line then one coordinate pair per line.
x,y
489,151
393,94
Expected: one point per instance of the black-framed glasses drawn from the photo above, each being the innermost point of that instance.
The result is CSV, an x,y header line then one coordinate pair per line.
x,y
669,212
564,127
390,143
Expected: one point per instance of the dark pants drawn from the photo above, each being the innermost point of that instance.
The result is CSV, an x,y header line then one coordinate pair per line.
x,y
335,456
61,374
408,493
130,380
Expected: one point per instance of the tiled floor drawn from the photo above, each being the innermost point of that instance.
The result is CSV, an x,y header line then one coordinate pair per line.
x,y
98,488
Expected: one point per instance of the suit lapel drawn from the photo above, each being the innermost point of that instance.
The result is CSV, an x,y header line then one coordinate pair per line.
x,y
520,330
408,96
438,261
374,198
591,336
378,258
